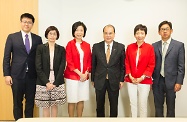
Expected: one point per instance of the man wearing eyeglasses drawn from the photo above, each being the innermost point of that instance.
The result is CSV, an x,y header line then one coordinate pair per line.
x,y
169,70
19,66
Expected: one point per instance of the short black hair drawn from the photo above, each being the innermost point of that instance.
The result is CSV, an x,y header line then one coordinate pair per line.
x,y
27,15
76,25
51,28
163,23
109,25
140,27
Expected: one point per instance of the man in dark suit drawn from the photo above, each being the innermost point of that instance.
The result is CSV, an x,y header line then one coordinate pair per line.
x,y
169,70
108,71
19,66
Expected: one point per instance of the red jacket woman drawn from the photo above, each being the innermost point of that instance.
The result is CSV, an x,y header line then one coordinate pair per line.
x,y
73,59
78,57
146,62
139,63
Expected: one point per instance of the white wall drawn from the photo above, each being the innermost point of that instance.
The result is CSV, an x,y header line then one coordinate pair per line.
x,y
124,15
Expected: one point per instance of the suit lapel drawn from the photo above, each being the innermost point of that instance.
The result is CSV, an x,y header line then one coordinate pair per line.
x,y
47,53
20,41
55,54
160,47
170,47
102,50
113,53
33,42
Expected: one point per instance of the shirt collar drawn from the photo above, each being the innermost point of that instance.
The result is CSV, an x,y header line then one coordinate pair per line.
x,y
168,41
47,44
140,45
23,33
111,44
76,42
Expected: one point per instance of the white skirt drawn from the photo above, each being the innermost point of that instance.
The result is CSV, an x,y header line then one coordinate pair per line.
x,y
77,91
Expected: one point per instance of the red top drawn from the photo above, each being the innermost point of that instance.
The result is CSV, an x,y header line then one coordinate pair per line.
x,y
145,65
73,59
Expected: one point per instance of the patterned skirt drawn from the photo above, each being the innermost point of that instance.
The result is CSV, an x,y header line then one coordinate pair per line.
x,y
45,99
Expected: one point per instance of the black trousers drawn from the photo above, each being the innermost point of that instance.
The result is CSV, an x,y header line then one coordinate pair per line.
x,y
160,92
113,99
23,88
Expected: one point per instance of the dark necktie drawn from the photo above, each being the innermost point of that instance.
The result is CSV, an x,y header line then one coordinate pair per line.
x,y
27,43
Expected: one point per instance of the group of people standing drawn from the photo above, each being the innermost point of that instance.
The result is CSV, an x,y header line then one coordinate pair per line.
x,y
36,71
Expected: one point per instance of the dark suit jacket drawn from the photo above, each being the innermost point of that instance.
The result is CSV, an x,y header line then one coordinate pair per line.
x,y
43,64
115,67
174,65
16,58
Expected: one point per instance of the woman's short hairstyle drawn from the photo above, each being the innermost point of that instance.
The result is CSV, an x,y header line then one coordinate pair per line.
x,y
51,28
140,27
76,25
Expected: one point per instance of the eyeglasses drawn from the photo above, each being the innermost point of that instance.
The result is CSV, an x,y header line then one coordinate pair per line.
x,y
27,22
165,29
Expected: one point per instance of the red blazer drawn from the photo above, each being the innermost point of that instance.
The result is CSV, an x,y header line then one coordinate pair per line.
x,y
73,59
146,62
